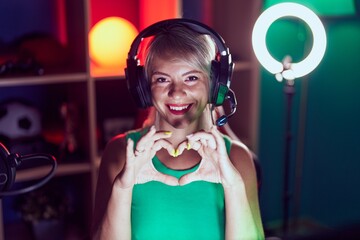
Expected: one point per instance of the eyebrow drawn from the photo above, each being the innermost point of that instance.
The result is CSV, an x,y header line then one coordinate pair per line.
x,y
184,74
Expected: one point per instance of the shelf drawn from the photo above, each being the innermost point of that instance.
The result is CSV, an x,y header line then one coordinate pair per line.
x,y
109,77
54,34
104,73
46,79
64,169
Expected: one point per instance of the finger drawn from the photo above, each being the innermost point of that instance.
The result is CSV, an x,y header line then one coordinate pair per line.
x,y
196,145
149,173
166,179
144,140
207,171
185,145
202,174
207,139
130,148
151,137
203,142
162,143
219,140
189,178
161,135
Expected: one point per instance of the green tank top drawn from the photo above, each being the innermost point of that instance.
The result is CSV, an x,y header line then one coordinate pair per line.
x,y
194,211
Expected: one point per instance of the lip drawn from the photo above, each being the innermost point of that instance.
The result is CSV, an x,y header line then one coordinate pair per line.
x,y
179,109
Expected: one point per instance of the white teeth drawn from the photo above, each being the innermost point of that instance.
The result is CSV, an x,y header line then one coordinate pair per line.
x,y
178,108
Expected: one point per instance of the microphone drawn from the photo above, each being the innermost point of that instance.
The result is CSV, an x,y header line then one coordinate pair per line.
x,y
8,164
221,121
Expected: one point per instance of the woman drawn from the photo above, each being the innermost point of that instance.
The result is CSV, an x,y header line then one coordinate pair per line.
x,y
178,178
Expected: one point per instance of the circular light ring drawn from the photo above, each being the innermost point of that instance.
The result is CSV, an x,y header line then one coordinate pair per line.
x,y
289,10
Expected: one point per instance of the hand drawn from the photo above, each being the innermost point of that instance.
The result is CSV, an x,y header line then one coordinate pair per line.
x,y
215,165
139,167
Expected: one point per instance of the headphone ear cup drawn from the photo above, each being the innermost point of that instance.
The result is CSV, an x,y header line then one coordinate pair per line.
x,y
219,88
143,88
137,84
214,77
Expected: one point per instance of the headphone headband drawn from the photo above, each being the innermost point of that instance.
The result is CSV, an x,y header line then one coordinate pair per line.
x,y
159,26
221,69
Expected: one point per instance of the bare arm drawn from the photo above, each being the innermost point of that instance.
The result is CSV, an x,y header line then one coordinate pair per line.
x,y
116,223
113,162
243,220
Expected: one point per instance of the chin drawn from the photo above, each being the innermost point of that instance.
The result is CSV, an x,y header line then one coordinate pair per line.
x,y
182,123
179,124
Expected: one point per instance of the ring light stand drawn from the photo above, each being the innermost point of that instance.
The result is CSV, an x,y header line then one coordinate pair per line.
x,y
288,70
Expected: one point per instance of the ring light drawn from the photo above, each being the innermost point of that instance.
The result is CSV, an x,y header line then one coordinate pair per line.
x,y
288,70
259,40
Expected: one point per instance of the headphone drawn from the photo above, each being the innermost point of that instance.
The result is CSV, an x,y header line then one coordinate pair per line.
x,y
221,68
8,164
7,169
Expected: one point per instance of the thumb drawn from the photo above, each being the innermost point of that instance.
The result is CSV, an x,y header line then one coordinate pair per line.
x,y
130,148
190,177
167,179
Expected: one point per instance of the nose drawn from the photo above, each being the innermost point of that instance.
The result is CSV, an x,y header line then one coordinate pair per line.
x,y
177,90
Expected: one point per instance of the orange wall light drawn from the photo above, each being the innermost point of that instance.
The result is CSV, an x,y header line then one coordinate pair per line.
x,y
109,42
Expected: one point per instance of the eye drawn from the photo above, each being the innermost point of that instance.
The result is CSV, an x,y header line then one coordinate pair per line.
x,y
192,78
159,80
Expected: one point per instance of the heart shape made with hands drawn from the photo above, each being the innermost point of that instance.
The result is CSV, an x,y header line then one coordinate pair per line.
x,y
209,145
206,171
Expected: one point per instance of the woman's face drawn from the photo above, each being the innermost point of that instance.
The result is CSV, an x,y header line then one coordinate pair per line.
x,y
179,91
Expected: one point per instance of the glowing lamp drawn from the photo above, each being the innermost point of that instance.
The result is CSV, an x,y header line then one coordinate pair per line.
x,y
109,42
292,70
288,70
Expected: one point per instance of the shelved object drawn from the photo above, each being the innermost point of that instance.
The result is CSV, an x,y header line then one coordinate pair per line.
x,y
98,99
43,202
75,165
71,84
58,32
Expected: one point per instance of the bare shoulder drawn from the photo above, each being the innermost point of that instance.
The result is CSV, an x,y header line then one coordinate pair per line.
x,y
112,162
241,158
114,155
240,153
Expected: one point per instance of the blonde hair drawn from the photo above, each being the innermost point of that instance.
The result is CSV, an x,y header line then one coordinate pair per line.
x,y
181,42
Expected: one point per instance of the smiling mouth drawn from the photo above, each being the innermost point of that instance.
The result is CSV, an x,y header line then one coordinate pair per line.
x,y
179,109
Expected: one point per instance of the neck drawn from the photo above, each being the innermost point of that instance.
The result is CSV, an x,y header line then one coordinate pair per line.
x,y
179,133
